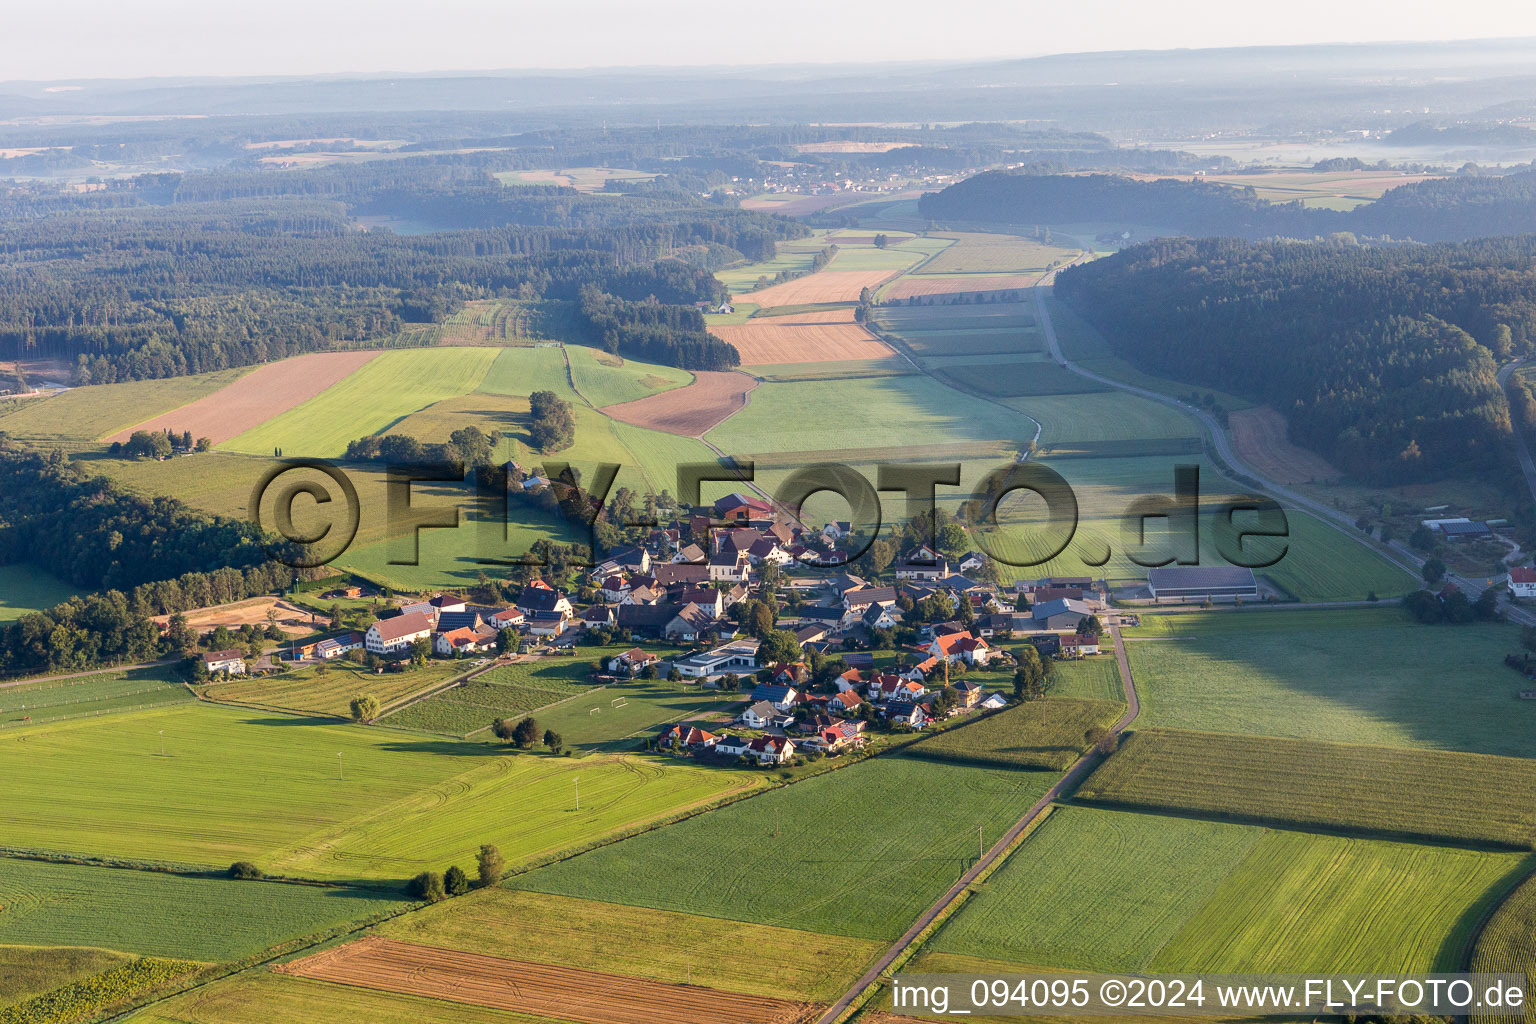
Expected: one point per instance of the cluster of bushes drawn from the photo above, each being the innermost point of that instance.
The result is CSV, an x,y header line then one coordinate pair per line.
x,y
432,886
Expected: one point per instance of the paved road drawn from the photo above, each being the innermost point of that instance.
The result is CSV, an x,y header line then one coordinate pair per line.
x,y
1397,554
1067,783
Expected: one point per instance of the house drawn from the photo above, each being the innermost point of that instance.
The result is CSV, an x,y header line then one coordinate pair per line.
x,y
1045,644
960,647
878,617
814,723
849,680
392,636
420,608
642,594
1075,645
971,561
445,604
886,688
1062,613
969,693
731,746
908,714
551,623
463,640
705,597
766,549
231,662
781,697
599,616
736,656
631,661
759,715
741,508
844,702
539,596
1044,595
812,633
772,749
689,737
507,618
860,598
1522,582
991,625
690,555
728,567
670,575
644,619
447,622
689,622
614,587
922,563
335,647
929,668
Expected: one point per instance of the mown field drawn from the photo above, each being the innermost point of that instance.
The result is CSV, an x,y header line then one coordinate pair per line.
x,y
621,716
330,692
85,414
1106,890
1046,734
1508,943
87,696
978,253
24,588
1356,676
833,854
394,385
641,942
156,914
1434,795
608,380
505,691
262,997
526,804
1009,380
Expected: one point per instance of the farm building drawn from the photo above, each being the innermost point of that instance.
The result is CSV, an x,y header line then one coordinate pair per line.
x,y
1458,529
337,646
1062,613
232,662
391,636
1200,582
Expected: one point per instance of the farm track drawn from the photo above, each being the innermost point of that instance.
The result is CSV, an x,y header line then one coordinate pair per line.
x,y
520,986
1068,782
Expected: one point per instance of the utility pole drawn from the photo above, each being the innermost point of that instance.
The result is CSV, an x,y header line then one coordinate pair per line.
x,y
339,775
577,780
162,742
981,850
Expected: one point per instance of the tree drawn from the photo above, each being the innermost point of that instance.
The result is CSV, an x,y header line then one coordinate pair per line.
x,y
881,241
365,708
420,650
1433,571
1029,676
779,646
455,881
245,870
506,640
491,866
553,740
526,733
1090,626
1422,538
204,444
426,886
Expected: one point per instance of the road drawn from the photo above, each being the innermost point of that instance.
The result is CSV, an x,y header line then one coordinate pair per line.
x,y
1078,772
1397,554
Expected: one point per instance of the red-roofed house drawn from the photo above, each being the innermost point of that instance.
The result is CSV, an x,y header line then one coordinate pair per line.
x,y
391,636
1522,582
1074,645
772,749
960,647
631,661
690,737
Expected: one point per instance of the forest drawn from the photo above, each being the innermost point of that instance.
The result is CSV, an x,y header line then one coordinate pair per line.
x,y
1382,357
1438,210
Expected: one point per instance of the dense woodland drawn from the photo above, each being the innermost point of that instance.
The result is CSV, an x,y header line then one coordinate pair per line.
x,y
655,333
1438,210
1382,357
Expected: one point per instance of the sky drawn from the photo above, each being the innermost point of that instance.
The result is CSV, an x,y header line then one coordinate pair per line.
x,y
57,39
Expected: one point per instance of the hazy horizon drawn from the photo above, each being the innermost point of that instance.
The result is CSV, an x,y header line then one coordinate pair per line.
x,y
91,39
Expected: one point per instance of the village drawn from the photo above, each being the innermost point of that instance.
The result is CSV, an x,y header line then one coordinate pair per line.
x,y
822,660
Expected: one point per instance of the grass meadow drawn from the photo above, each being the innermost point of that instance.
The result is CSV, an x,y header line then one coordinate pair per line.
x,y
87,413
641,942
25,588
1106,890
1434,795
1351,676
857,852
156,914
329,692
1045,734
87,696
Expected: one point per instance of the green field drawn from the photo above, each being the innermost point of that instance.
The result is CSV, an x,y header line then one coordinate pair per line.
x,y
87,696
157,914
1096,678
87,413
1045,734
603,383
1434,795
642,943
25,588
370,401
1105,890
619,717
1009,380
506,691
844,853
236,784
1354,676
976,253
311,691
1104,416
526,804
944,343
1508,943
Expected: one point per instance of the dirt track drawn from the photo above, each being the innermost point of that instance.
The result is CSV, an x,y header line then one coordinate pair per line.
x,y
766,341
539,989
256,397
690,411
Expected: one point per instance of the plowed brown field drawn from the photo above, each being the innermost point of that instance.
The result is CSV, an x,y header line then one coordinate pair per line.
x,y
822,286
909,286
838,315
257,397
690,411
1258,434
539,989
767,341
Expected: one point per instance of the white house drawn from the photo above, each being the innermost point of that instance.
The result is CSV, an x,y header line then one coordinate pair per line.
x,y
732,746
391,636
960,647
337,646
1522,582
232,662
631,661
759,715
736,656
772,749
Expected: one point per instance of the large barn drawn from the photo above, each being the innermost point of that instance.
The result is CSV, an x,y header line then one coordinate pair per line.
x,y
1185,582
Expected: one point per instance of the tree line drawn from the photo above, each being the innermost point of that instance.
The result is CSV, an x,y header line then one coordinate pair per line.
x,y
654,332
